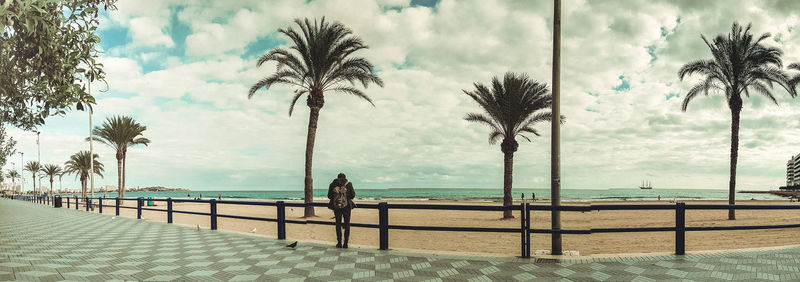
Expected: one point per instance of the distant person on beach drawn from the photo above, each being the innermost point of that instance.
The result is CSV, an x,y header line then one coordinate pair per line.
x,y
220,196
533,197
341,195
188,195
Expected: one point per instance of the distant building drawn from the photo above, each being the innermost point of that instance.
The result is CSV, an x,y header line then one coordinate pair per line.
x,y
793,172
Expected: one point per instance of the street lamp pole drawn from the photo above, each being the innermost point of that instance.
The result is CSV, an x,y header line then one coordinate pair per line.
x,y
22,171
91,141
555,142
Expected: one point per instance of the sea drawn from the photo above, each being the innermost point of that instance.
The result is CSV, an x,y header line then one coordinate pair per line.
x,y
467,195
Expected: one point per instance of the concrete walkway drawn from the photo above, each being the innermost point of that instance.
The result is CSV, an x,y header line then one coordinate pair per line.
x,y
43,243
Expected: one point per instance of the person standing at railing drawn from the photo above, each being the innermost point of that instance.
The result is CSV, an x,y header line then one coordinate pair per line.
x,y
341,195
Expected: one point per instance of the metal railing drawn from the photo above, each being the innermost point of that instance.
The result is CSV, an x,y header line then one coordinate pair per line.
x,y
384,226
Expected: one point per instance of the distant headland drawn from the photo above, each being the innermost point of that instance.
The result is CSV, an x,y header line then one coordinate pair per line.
x,y
155,189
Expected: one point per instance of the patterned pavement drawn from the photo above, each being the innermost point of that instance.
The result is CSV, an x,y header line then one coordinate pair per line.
x,y
40,243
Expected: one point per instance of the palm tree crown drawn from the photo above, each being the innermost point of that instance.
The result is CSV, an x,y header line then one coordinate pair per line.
x,y
321,61
51,171
119,133
80,164
510,108
13,174
740,65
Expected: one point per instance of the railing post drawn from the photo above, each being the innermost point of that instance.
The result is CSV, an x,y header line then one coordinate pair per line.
x,y
680,229
139,208
528,230
100,204
281,220
116,206
76,202
383,222
169,210
67,202
86,202
213,214
522,236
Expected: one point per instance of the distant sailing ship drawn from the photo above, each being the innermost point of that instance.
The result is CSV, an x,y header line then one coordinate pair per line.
x,y
646,185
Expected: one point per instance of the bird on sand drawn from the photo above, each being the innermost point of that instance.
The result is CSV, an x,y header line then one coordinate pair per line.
x,y
113,217
292,245
253,231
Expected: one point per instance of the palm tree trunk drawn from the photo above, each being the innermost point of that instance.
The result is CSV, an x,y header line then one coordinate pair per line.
x,y
51,186
735,111
309,181
120,189
124,161
508,177
33,175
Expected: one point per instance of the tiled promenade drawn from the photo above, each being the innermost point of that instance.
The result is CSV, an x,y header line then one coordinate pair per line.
x,y
42,243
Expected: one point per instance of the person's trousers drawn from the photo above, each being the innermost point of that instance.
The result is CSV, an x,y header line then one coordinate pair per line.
x,y
342,214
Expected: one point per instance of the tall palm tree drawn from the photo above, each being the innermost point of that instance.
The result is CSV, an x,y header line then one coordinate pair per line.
x,y
119,133
51,171
320,60
79,164
511,107
13,174
741,65
34,167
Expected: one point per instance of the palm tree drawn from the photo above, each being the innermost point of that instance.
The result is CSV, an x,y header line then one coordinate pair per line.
x,y
511,107
34,167
79,164
741,64
119,133
51,170
13,174
320,59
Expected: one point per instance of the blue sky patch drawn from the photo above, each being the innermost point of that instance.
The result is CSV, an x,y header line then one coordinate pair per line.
x,y
424,3
624,86
262,45
673,95
651,50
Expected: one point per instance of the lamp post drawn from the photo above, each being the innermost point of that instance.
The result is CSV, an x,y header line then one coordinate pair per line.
x,y
91,149
22,172
38,148
555,145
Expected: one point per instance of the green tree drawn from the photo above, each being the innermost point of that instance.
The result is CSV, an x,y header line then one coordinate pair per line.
x,y
51,171
119,133
80,164
7,145
796,79
511,108
321,59
33,167
46,47
741,64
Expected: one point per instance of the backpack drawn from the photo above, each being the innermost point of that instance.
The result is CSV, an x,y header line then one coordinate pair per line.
x,y
340,199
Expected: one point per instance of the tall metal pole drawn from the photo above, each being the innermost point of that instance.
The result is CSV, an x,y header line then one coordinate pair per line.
x,y
91,148
39,158
22,172
555,149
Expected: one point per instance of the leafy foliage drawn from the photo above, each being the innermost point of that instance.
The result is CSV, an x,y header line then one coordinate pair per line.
x,y
7,145
320,60
741,64
46,46
512,107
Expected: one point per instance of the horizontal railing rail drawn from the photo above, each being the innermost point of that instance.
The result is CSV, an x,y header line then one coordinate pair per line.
x,y
383,208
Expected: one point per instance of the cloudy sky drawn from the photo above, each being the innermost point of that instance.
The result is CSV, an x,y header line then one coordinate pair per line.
x,y
183,68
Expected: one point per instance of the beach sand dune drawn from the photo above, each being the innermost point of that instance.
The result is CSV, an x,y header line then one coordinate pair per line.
x,y
508,244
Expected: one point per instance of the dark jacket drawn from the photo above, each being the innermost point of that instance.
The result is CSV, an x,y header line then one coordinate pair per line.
x,y
351,193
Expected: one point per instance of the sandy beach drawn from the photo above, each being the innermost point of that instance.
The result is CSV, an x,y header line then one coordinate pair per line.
x,y
508,244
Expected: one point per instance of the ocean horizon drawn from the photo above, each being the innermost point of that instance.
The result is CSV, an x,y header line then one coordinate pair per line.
x,y
463,194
